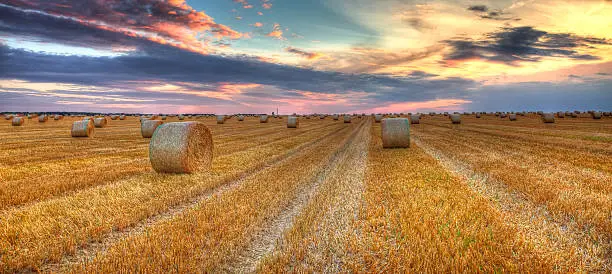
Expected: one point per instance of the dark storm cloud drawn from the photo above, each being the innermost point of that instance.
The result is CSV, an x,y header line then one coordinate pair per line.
x,y
510,45
36,26
478,8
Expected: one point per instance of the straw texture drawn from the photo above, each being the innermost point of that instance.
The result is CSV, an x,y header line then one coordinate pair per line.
x,y
181,147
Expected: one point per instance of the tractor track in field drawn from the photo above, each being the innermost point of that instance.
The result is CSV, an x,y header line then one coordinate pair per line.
x,y
88,252
532,221
270,235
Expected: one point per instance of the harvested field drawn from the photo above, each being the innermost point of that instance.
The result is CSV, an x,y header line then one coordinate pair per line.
x,y
485,195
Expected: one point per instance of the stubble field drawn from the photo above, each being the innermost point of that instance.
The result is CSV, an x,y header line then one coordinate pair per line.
x,y
487,195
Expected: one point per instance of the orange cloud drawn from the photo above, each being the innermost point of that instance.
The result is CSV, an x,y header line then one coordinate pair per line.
x,y
276,32
303,53
258,25
266,4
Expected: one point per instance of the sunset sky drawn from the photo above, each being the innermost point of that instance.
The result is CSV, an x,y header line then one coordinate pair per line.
x,y
253,56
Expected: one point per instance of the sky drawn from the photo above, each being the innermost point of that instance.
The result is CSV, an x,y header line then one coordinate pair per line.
x,y
352,56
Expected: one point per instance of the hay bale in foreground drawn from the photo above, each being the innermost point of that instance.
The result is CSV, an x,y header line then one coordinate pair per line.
x,y
100,122
83,128
293,122
240,118
378,118
347,118
263,118
455,118
395,133
17,121
43,118
181,147
548,118
596,115
221,119
512,117
148,127
415,119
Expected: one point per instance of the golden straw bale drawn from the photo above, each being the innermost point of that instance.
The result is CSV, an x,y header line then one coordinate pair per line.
x,y
181,147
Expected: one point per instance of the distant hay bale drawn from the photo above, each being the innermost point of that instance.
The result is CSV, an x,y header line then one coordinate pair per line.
x,y
8,117
240,118
560,114
181,147
378,118
415,119
58,117
181,117
335,117
512,117
114,117
122,117
503,115
293,122
220,119
395,133
477,115
455,118
347,118
147,127
322,117
83,128
263,118
548,118
43,118
574,115
18,121
164,117
100,122
596,115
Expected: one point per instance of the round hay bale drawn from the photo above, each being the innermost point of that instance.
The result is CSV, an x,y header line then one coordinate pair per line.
x,y
147,127
83,128
181,117
8,117
335,117
164,117
560,114
455,118
347,118
240,118
548,118
322,117
503,115
122,117
596,115
43,118
293,122
58,117
181,147
415,119
477,115
18,121
263,118
114,117
395,133
221,119
100,122
512,117
378,118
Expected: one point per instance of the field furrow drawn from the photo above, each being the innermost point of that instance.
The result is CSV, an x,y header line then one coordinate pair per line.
x,y
89,215
201,239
